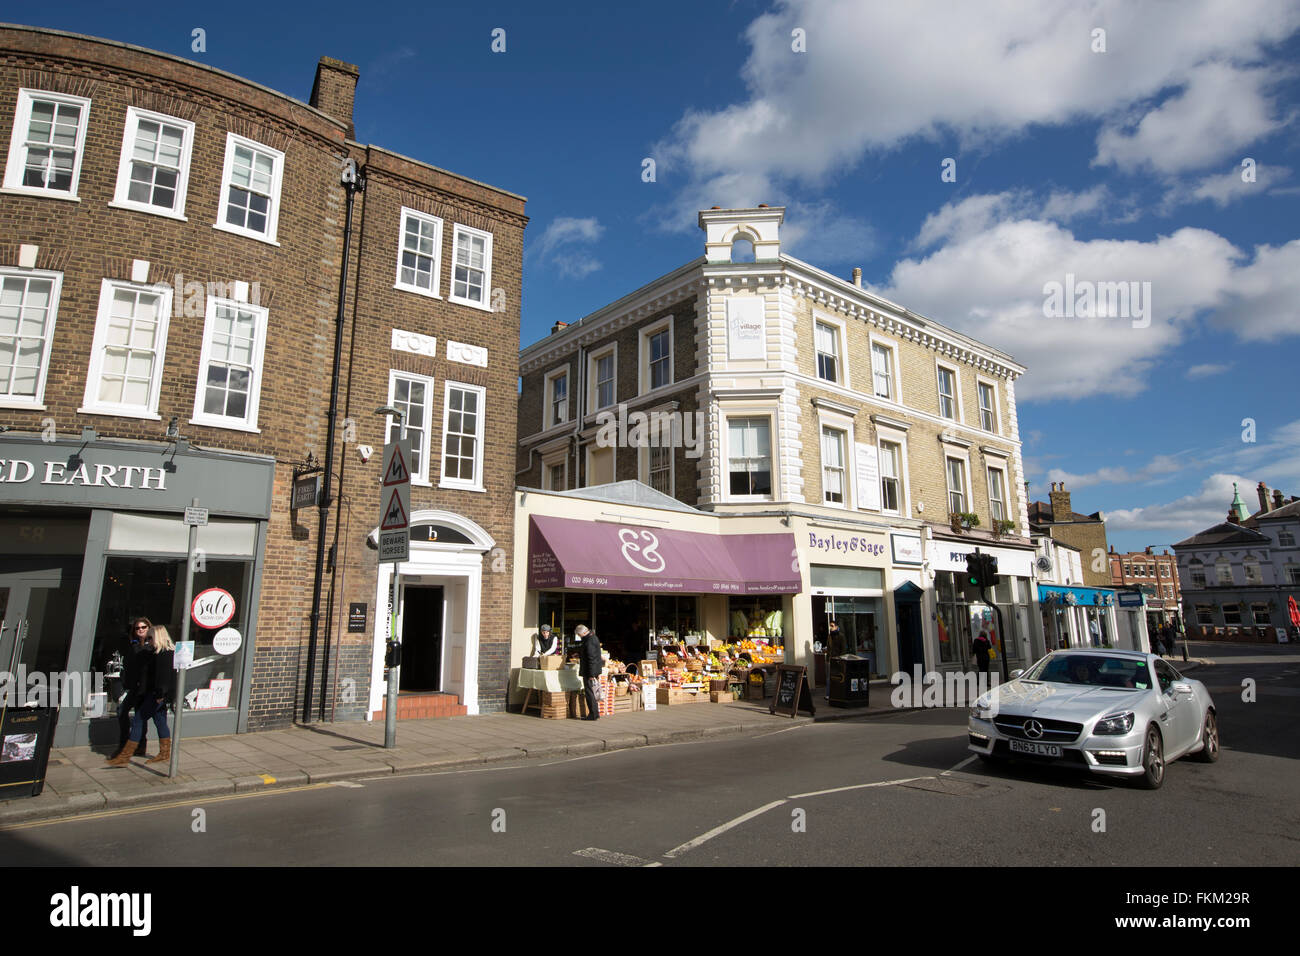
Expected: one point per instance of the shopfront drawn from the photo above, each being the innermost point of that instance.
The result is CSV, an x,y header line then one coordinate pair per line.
x,y
1078,617
961,613
92,535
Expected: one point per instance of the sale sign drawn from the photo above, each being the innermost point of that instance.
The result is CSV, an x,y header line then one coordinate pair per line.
x,y
212,608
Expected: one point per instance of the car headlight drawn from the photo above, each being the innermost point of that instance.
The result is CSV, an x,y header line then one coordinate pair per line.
x,y
983,709
1115,724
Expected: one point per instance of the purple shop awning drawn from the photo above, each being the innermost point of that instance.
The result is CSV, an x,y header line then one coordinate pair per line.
x,y
603,556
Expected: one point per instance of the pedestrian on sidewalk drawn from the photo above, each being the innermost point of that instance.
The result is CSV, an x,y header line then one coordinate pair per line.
x,y
156,681
980,648
137,640
590,666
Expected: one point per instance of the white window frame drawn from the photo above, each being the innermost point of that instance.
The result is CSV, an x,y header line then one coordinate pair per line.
x,y
1250,564
476,484
644,455
1005,500
947,483
91,403
234,141
421,475
956,391
37,401
131,129
900,443
840,331
768,415
548,412
436,274
996,410
1288,541
249,422
486,304
550,460
593,360
895,382
846,443
17,159
643,362
1219,564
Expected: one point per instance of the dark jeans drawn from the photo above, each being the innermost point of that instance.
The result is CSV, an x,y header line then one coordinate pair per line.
x,y
589,688
150,708
124,724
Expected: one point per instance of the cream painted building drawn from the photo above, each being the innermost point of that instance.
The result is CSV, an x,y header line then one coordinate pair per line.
x,y
765,395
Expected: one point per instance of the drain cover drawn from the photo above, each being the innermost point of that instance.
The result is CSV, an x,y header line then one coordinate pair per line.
x,y
957,788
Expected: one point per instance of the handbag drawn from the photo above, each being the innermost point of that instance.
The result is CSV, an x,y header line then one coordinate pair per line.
x,y
597,688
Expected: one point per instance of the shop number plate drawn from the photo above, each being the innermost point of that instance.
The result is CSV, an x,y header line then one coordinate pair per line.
x,y
1037,749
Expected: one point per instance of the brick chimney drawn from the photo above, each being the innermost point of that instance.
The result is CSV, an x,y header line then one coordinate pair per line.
x,y
1277,499
1262,490
334,90
1060,499
559,327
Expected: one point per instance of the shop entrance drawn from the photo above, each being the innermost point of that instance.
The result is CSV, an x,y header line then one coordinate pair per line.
x,y
907,608
422,614
37,606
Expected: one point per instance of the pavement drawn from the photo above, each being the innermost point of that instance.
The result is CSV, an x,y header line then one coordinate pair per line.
x,y
78,781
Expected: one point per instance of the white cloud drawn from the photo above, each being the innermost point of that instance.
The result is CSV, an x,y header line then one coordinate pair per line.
x,y
877,75
1184,516
1208,369
560,246
1264,297
1158,467
1223,189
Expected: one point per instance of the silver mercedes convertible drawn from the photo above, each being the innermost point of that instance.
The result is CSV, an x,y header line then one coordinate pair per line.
x,y
1107,711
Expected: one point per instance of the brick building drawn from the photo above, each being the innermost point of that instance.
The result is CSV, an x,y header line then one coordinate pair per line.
x,y
171,260
799,404
1155,575
1086,533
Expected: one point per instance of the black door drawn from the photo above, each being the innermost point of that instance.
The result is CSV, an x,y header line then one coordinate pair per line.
x,y
421,639
910,649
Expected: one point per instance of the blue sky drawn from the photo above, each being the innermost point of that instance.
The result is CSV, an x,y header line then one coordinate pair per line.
x,y
1122,165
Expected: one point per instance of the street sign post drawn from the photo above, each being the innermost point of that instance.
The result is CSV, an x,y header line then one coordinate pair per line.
x,y
395,546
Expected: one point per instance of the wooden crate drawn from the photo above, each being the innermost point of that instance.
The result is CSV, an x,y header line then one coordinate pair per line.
x,y
555,706
720,696
668,696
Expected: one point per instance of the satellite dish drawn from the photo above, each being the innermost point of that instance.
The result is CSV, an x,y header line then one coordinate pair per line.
x,y
1044,563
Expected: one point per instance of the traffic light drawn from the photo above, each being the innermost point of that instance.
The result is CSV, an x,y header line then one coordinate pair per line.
x,y
981,570
973,569
990,570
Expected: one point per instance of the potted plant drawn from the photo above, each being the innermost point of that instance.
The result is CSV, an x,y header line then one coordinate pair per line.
x,y
1003,526
954,519
969,519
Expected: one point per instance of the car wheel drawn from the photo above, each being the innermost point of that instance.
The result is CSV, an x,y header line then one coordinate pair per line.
x,y
1153,761
1210,735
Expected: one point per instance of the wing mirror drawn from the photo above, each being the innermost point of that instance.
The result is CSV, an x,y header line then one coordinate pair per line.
x,y
1016,673
1181,688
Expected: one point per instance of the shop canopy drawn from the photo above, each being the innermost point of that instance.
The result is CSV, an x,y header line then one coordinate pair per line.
x,y
1067,595
604,556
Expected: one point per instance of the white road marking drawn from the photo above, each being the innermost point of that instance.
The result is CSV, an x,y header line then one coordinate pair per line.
x,y
857,786
730,824
347,783
960,765
785,731
612,858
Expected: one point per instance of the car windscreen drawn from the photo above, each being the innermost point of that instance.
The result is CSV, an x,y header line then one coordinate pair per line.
x,y
1092,671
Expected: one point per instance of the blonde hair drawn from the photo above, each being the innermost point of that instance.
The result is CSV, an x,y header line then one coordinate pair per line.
x,y
162,641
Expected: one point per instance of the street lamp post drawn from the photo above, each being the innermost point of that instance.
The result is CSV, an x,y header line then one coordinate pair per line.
x,y
390,700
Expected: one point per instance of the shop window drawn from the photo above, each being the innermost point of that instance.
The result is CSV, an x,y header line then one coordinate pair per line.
x,y
675,619
1205,615
250,189
126,356
412,395
1232,615
230,366
47,144
860,620
844,578
756,617
749,451
472,271
419,254
1259,611
28,306
154,168
155,588
462,451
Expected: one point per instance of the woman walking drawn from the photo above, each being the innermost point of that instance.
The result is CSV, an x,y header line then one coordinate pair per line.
x,y
153,679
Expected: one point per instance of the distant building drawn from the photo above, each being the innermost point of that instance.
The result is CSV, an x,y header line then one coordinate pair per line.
x,y
1155,575
1237,575
1087,533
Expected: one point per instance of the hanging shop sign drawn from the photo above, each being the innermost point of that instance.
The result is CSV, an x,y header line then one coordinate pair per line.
x,y
907,548
212,608
306,491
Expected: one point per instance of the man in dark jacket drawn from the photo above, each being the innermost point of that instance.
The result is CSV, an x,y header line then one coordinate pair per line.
x,y
590,666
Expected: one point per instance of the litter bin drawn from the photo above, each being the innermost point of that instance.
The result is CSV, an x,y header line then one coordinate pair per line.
x,y
850,680
26,734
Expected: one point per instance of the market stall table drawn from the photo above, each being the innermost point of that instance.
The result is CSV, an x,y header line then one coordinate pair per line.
x,y
566,680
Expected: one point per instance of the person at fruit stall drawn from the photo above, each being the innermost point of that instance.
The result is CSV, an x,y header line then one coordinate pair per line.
x,y
590,666
547,643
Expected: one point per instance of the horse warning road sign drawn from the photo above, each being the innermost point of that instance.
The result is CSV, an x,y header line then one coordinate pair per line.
x,y
397,512
395,503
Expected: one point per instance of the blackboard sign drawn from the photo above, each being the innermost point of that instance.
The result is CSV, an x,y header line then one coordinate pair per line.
x,y
792,692
357,618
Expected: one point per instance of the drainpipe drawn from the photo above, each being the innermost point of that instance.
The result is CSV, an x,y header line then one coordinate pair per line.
x,y
353,182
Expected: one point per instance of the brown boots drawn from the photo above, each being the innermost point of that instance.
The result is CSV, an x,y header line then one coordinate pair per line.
x,y
164,751
123,756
